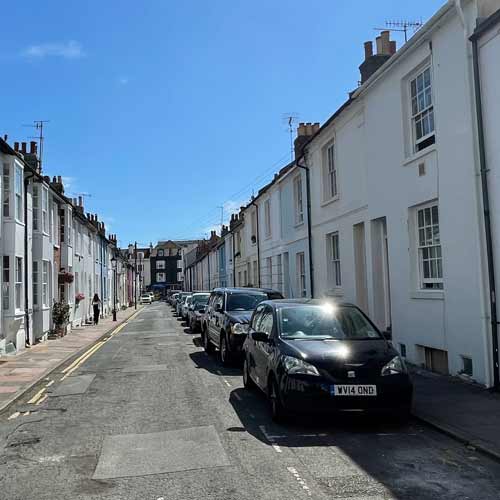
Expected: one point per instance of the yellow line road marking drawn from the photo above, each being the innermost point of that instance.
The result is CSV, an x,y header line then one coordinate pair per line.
x,y
77,360
40,401
50,383
84,358
36,397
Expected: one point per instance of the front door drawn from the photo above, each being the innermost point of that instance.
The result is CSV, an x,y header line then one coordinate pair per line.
x,y
216,317
263,350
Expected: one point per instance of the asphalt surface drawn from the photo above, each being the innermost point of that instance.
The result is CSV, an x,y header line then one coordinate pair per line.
x,y
150,416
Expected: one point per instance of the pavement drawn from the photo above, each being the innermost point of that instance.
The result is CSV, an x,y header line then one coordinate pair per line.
x,y
20,372
468,412
146,414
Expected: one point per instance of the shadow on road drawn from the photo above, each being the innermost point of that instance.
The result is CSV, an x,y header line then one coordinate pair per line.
x,y
211,364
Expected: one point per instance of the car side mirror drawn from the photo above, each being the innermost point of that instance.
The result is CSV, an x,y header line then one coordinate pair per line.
x,y
260,336
387,335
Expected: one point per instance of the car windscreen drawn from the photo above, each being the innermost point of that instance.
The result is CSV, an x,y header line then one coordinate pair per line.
x,y
242,301
325,322
200,300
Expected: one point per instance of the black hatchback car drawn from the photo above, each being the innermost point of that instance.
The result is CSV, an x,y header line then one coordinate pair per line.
x,y
309,356
227,314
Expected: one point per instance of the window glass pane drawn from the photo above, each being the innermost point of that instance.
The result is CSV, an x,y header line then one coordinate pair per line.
x,y
428,234
426,268
420,82
428,97
427,77
413,86
418,129
427,213
439,267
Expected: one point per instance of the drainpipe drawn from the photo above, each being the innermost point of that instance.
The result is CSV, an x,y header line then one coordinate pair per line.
x,y
309,229
26,256
234,262
258,241
486,210
208,257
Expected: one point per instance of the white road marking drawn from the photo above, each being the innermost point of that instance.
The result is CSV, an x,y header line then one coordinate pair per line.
x,y
50,383
226,382
54,458
270,438
238,397
301,481
14,415
277,449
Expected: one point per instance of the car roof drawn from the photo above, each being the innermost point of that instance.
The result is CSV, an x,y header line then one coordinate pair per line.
x,y
278,303
246,289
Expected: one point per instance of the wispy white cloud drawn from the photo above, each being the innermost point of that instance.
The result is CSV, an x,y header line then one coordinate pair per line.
x,y
67,50
123,80
230,207
69,183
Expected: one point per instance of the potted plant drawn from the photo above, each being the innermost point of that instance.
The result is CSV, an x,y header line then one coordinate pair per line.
x,y
60,317
66,277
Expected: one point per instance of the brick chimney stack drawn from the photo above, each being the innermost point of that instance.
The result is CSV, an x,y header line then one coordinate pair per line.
x,y
385,49
304,133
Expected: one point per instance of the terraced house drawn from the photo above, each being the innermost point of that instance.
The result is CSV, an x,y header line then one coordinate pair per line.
x,y
52,252
374,208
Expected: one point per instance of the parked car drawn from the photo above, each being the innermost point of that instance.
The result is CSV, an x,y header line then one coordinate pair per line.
x,y
309,356
179,301
172,298
185,306
146,298
197,310
228,312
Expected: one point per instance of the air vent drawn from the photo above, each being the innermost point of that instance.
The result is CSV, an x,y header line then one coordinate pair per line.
x,y
421,169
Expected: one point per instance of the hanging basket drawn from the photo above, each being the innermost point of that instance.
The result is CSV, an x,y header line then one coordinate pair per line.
x,y
66,277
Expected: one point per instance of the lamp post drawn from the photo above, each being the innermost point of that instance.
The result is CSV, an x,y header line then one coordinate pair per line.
x,y
113,265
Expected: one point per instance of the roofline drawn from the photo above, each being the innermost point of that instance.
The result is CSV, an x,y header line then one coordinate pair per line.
x,y
489,23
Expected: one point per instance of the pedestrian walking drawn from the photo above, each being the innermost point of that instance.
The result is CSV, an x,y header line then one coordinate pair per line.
x,y
96,304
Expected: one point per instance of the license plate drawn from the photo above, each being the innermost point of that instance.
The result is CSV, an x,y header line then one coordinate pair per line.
x,y
353,390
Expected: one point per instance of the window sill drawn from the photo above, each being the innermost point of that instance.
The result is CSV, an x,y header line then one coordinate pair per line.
x,y
427,294
417,156
299,224
329,201
334,292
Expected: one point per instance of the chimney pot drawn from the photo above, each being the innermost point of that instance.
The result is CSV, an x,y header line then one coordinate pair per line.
x,y
59,179
5,137
378,42
23,147
16,146
385,36
368,49
80,201
392,47
33,147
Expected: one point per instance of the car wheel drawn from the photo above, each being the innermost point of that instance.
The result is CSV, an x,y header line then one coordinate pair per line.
x,y
278,412
248,383
225,354
207,345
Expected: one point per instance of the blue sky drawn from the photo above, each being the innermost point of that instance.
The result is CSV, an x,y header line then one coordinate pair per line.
x,y
164,111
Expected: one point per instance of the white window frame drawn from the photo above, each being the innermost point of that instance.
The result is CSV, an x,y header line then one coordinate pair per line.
x,y
429,251
45,210
279,267
269,271
160,264
18,191
421,103
6,190
18,270
162,275
69,228
267,218
333,245
298,198
36,207
6,283
45,284
36,284
331,191
253,227
301,274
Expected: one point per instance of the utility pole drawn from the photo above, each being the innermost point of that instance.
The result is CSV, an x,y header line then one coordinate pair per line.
x,y
135,276
402,26
38,125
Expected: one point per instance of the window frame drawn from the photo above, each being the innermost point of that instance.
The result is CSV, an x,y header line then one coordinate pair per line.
x,y
436,283
44,208
6,285
267,218
421,113
161,265
45,284
35,201
6,190
36,284
333,248
300,271
298,199
18,285
330,173
19,193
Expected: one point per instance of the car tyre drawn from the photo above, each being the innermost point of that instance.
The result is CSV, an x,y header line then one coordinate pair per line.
x,y
278,412
248,383
225,353
207,345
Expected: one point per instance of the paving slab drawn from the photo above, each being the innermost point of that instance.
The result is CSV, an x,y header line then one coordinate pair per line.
x,y
77,384
132,455
145,368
